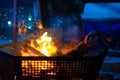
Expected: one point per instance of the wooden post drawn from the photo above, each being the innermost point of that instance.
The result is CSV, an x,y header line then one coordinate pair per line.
x,y
14,21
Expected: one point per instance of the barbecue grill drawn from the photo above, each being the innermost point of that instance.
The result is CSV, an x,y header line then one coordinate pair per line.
x,y
58,68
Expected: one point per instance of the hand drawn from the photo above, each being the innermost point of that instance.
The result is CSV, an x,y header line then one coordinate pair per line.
x,y
96,36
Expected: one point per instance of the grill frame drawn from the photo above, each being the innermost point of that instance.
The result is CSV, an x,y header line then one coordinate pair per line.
x,y
92,70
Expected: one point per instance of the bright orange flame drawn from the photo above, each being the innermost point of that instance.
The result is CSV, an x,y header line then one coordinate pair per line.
x,y
45,45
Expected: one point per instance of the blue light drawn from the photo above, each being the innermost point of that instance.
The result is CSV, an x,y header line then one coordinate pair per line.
x,y
29,27
9,22
29,19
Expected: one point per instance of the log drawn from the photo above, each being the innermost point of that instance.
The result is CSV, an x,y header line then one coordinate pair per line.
x,y
35,51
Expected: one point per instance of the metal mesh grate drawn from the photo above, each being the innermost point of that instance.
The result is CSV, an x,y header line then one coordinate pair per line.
x,y
54,68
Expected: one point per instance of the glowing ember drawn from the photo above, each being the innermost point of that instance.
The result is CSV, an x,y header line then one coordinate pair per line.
x,y
34,67
39,25
22,29
25,52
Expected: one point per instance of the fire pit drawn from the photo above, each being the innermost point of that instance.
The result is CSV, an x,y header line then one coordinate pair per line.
x,y
55,68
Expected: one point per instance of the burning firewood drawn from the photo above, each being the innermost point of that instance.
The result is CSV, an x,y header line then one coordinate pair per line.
x,y
35,51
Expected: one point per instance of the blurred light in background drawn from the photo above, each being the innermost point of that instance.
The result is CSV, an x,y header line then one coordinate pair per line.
x,y
29,26
29,19
9,22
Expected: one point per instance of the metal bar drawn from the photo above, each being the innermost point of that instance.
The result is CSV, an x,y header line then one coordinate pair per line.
x,y
14,20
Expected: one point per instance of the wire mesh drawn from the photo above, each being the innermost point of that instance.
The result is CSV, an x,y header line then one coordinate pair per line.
x,y
56,68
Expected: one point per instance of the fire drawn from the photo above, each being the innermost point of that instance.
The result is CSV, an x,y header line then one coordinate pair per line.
x,y
45,45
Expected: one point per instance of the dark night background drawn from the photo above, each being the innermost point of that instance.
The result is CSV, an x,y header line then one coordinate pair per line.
x,y
71,19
